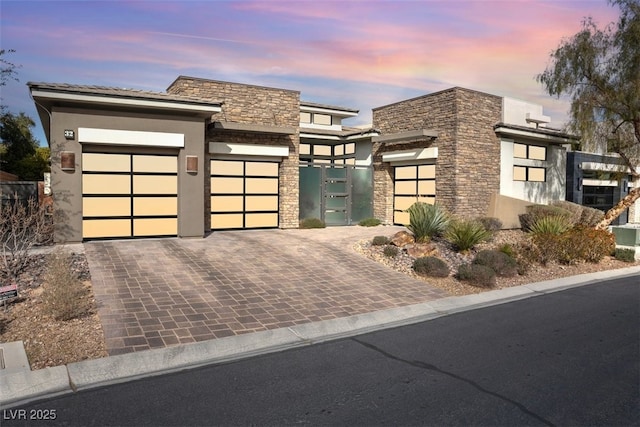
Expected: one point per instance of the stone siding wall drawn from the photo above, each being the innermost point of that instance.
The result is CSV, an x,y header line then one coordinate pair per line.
x,y
254,105
468,164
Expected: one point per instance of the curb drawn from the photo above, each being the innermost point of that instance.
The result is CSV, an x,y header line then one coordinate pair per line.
x,y
27,386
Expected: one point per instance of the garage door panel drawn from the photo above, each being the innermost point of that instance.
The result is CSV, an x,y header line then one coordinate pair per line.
x,y
262,169
226,167
227,203
261,203
406,172
96,162
106,206
426,187
98,228
150,184
402,203
261,220
155,164
223,221
153,206
155,227
401,218
106,184
227,185
261,185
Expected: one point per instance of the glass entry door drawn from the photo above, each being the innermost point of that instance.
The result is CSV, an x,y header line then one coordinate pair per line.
x,y
337,194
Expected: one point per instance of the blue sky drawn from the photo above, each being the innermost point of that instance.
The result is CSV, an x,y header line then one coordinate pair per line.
x,y
356,54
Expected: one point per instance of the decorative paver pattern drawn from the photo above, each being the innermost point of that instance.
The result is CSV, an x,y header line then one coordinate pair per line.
x,y
162,292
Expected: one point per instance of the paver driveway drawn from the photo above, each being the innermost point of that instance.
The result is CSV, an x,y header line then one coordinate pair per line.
x,y
162,292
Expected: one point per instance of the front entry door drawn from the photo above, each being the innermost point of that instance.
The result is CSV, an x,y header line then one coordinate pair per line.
x,y
336,194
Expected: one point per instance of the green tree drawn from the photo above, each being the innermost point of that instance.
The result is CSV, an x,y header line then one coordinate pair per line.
x,y
599,70
20,153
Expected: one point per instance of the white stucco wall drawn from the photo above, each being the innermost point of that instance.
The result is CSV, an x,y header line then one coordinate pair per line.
x,y
514,112
535,192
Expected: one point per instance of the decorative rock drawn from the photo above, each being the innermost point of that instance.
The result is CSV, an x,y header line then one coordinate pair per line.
x,y
402,238
419,250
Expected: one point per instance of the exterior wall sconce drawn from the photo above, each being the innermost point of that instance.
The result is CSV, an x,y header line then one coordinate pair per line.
x,y
68,161
192,164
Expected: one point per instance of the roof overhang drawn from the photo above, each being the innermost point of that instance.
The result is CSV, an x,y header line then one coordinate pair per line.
x,y
408,136
327,109
542,135
126,101
411,155
255,128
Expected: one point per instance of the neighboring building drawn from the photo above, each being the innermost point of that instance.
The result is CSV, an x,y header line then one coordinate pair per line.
x,y
211,155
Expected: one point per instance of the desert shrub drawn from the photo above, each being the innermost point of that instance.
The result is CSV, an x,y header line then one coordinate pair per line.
x,y
426,221
64,295
369,222
430,266
547,246
589,244
526,254
380,240
626,255
390,251
553,224
577,244
23,225
312,223
465,234
535,212
591,216
477,275
573,208
501,263
490,223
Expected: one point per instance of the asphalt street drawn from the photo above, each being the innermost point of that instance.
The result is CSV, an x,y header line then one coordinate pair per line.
x,y
566,358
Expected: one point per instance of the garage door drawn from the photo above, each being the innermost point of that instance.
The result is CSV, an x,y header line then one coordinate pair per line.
x,y
411,184
129,195
244,194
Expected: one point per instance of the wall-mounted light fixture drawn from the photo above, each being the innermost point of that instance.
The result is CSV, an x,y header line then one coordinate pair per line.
x,y
68,161
192,164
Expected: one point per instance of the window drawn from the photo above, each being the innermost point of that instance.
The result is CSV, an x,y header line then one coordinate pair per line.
x,y
316,118
305,117
533,152
528,173
322,119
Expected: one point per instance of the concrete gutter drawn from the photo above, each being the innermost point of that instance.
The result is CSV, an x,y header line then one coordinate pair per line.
x,y
19,388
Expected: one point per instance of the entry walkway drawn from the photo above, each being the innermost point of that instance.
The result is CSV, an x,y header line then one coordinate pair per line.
x,y
164,292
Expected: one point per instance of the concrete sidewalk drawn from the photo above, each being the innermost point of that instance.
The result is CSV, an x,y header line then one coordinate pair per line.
x,y
25,386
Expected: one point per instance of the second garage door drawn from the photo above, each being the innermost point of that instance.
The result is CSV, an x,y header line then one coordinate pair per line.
x,y
244,194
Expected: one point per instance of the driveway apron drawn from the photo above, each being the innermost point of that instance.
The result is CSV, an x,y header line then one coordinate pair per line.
x,y
162,292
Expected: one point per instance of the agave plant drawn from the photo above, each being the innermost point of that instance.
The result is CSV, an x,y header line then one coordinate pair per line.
x,y
426,221
553,224
465,234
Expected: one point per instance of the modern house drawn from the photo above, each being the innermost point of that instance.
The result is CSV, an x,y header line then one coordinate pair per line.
x,y
210,155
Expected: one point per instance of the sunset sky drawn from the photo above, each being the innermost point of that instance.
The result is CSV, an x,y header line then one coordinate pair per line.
x,y
356,54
